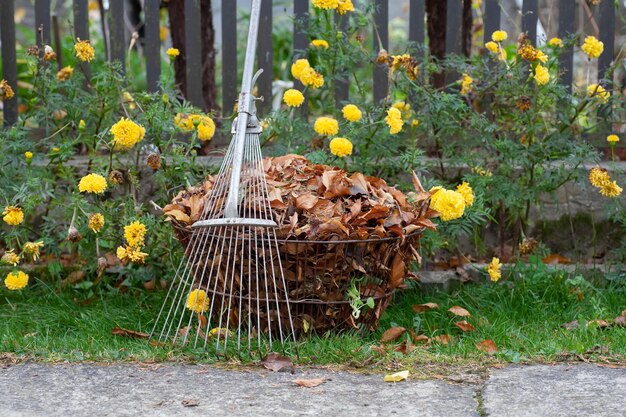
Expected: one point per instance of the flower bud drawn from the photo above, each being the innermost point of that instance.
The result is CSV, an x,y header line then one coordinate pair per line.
x,y
116,177
73,235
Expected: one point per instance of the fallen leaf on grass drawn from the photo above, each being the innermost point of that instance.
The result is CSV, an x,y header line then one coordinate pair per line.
x,y
310,383
602,324
465,326
420,308
392,334
572,325
397,377
459,311
620,321
190,403
404,347
118,331
444,339
487,346
556,259
421,338
275,362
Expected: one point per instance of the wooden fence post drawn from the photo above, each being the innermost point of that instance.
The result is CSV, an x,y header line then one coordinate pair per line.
x,y
264,57
9,61
566,28
301,43
529,20
152,49
381,40
229,57
116,33
81,30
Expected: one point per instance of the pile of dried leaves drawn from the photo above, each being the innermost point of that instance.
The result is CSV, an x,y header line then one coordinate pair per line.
x,y
335,230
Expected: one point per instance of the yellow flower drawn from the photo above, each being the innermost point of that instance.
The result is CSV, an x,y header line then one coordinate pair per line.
x,y
542,75
135,233
81,125
492,47
351,113
541,56
92,183
172,53
162,33
326,126
326,4
610,189
319,43
341,147
293,98
394,120
28,156
126,134
481,171
592,47
131,254
345,6
13,215
400,61
596,90
415,123
64,74
48,53
466,84
184,121
16,280
467,193
6,92
32,249
405,109
612,139
499,36
598,176
311,78
84,51
206,128
299,66
55,150
494,269
449,204
10,258
557,42
129,100
96,221
197,301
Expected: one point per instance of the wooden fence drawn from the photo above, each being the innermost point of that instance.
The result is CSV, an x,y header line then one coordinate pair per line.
x,y
117,46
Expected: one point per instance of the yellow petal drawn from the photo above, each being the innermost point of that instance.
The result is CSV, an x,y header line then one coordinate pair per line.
x,y
397,377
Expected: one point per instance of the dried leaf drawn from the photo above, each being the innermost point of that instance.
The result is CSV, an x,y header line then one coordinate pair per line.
x,y
421,338
602,324
420,308
118,331
571,325
459,311
392,334
179,215
397,377
465,326
310,383
487,346
306,201
398,271
620,321
444,339
275,362
190,403
556,259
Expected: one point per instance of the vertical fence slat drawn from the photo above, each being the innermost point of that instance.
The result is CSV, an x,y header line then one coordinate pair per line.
x,y
81,29
300,42
264,56
416,21
491,19
42,19
381,33
152,44
116,32
193,55
454,12
342,85
229,56
9,61
56,34
566,29
529,19
607,35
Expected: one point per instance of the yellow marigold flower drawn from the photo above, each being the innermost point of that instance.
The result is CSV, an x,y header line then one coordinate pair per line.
x,y
610,189
92,183
206,128
33,249
405,109
163,33
466,84
493,269
415,123
394,120
311,78
499,36
326,126
293,98
13,215
542,75
467,193
596,90
126,134
345,6
612,138
48,53
399,61
84,51
592,47
299,66
492,47
598,176
543,58
319,43
351,113
64,74
556,42
135,233
184,121
326,4
28,155
10,258
172,52
341,147
197,301
96,221
16,280
6,92
131,254
449,204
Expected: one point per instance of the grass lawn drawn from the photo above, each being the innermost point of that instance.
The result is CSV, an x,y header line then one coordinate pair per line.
x,y
522,315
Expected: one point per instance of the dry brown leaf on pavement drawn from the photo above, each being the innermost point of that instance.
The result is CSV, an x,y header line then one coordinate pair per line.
x,y
118,331
465,326
275,362
397,377
190,403
392,334
487,346
420,308
459,311
310,383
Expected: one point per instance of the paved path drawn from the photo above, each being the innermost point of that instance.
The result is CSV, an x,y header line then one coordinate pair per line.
x,y
88,390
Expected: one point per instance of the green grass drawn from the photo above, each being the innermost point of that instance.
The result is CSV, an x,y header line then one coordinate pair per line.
x,y
522,316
